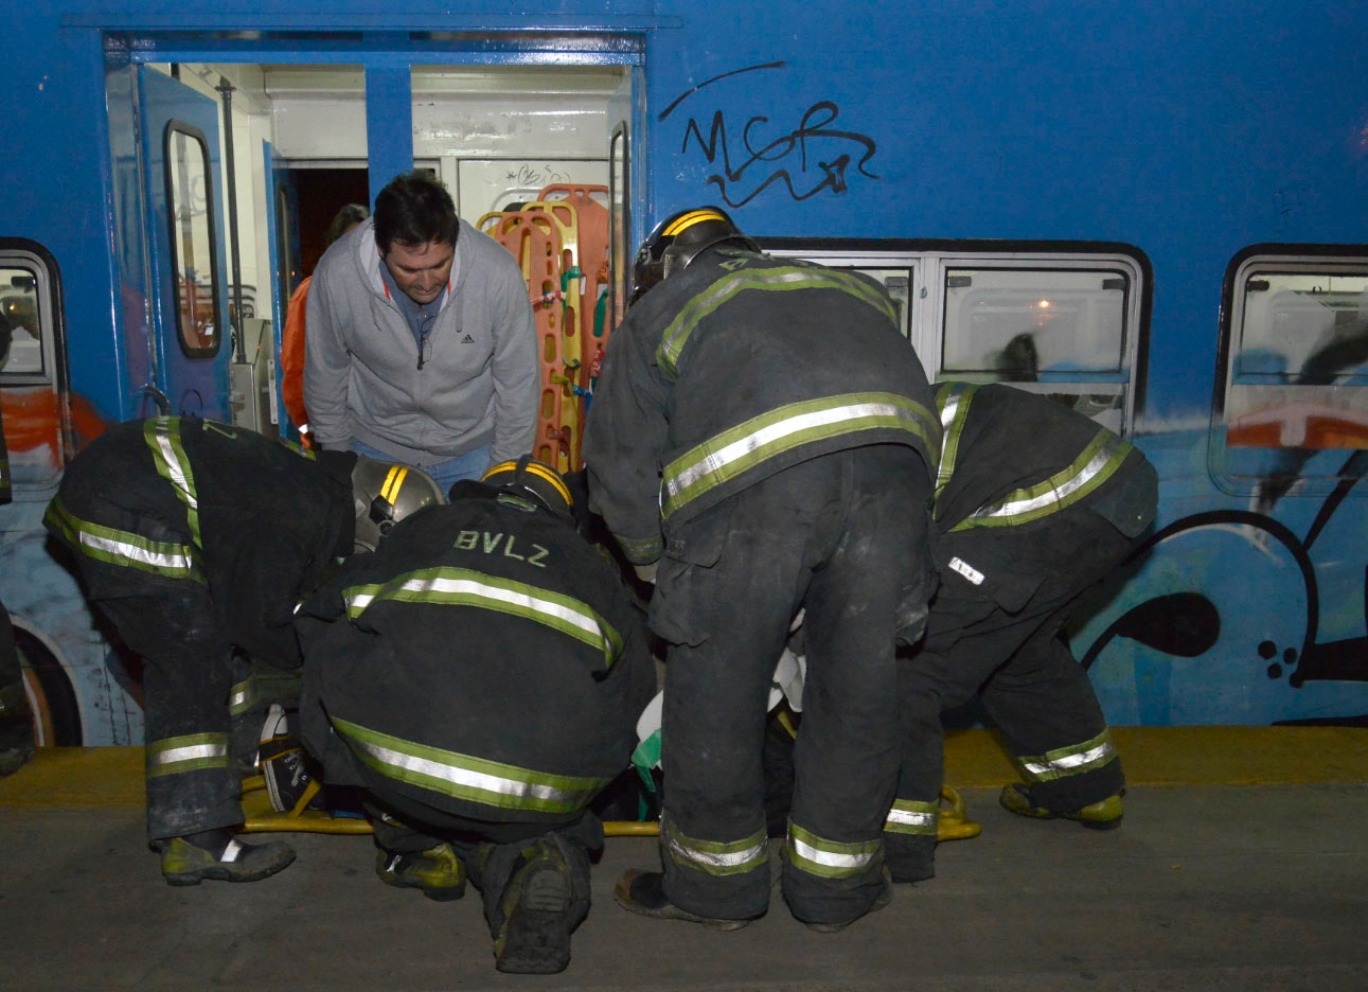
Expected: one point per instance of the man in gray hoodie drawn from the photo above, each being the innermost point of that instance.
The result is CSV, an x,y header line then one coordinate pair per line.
x,y
421,346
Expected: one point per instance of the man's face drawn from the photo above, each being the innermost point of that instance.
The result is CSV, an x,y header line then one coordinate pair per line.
x,y
421,271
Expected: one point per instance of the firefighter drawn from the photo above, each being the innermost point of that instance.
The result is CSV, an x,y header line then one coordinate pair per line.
x,y
196,540
1034,504
480,677
16,717
759,442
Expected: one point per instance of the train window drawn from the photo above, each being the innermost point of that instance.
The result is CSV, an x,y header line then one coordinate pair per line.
x,y
1292,400
32,374
189,192
1062,323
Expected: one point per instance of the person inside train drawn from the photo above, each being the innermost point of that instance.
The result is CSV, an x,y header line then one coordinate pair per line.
x,y
795,476
195,541
480,677
292,340
421,345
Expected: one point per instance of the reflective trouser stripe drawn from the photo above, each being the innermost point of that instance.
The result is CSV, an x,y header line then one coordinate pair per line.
x,y
754,442
242,697
191,753
122,548
448,586
461,776
163,437
1067,761
781,279
908,816
713,857
828,858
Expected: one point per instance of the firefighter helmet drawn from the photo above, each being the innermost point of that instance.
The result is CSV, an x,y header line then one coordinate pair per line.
x,y
679,239
529,480
385,494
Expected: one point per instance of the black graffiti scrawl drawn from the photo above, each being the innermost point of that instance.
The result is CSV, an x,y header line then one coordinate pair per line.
x,y
807,159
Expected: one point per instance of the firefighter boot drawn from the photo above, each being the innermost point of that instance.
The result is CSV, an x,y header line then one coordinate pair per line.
x,y
16,728
437,872
219,856
643,892
1104,814
537,909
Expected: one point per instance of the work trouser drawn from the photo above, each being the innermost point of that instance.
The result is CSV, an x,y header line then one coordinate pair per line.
x,y
842,536
1033,690
192,682
16,716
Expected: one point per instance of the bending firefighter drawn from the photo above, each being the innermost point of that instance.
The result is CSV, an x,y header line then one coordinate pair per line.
x,y
481,676
196,541
1035,503
795,429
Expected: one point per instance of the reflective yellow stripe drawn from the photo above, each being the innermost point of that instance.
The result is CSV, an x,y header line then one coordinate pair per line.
x,y
1095,465
191,753
952,399
394,481
829,858
681,224
163,437
910,816
714,857
463,776
749,444
1075,759
121,548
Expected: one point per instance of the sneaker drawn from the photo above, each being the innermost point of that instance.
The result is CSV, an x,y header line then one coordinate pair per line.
x,y
643,893
285,768
1102,815
437,872
535,936
183,863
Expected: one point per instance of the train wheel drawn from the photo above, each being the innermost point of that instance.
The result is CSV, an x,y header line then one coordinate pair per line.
x,y
56,715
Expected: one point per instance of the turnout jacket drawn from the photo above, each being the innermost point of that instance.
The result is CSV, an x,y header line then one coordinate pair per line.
x,y
1013,467
182,500
735,369
485,661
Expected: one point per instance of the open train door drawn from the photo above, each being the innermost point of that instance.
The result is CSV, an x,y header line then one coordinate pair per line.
x,y
191,338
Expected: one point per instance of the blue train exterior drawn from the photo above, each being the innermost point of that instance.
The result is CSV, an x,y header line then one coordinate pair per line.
x,y
1189,182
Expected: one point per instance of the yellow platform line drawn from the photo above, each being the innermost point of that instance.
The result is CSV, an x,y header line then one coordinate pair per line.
x,y
113,776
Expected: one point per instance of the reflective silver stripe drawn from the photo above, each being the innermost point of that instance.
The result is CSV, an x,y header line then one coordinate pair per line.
x,y
711,467
829,859
463,776
717,859
180,562
525,601
162,758
231,852
241,697
1095,465
953,399
911,818
176,471
1063,765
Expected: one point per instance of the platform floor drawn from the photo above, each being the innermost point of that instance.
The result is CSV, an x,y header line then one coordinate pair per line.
x,y
1258,882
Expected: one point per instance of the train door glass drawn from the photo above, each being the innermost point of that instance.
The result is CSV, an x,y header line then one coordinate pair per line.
x,y
181,159
30,368
1292,400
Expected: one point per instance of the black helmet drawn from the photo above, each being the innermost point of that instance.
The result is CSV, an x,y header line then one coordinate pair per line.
x,y
530,481
679,239
384,494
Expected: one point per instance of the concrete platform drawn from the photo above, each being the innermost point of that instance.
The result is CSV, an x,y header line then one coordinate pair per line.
x,y
1207,886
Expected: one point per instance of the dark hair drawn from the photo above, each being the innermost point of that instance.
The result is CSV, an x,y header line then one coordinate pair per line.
x,y
352,213
414,209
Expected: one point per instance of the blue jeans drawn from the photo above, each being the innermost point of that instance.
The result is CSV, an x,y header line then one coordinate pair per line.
x,y
446,474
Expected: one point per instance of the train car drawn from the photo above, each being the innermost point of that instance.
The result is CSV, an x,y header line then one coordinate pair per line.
x,y
1153,212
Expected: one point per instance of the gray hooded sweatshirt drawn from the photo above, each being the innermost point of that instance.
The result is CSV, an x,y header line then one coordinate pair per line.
x,y
479,377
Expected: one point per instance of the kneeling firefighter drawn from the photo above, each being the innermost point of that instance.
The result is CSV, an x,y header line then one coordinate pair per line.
x,y
480,676
196,541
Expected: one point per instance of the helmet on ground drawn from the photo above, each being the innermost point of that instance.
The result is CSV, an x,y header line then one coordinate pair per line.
x,y
679,239
386,493
529,481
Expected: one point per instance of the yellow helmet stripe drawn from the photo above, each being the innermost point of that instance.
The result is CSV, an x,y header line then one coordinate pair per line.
x,y
690,219
555,480
394,481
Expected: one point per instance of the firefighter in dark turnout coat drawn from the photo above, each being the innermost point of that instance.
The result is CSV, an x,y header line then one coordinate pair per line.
x,y
1034,504
763,425
481,677
196,540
